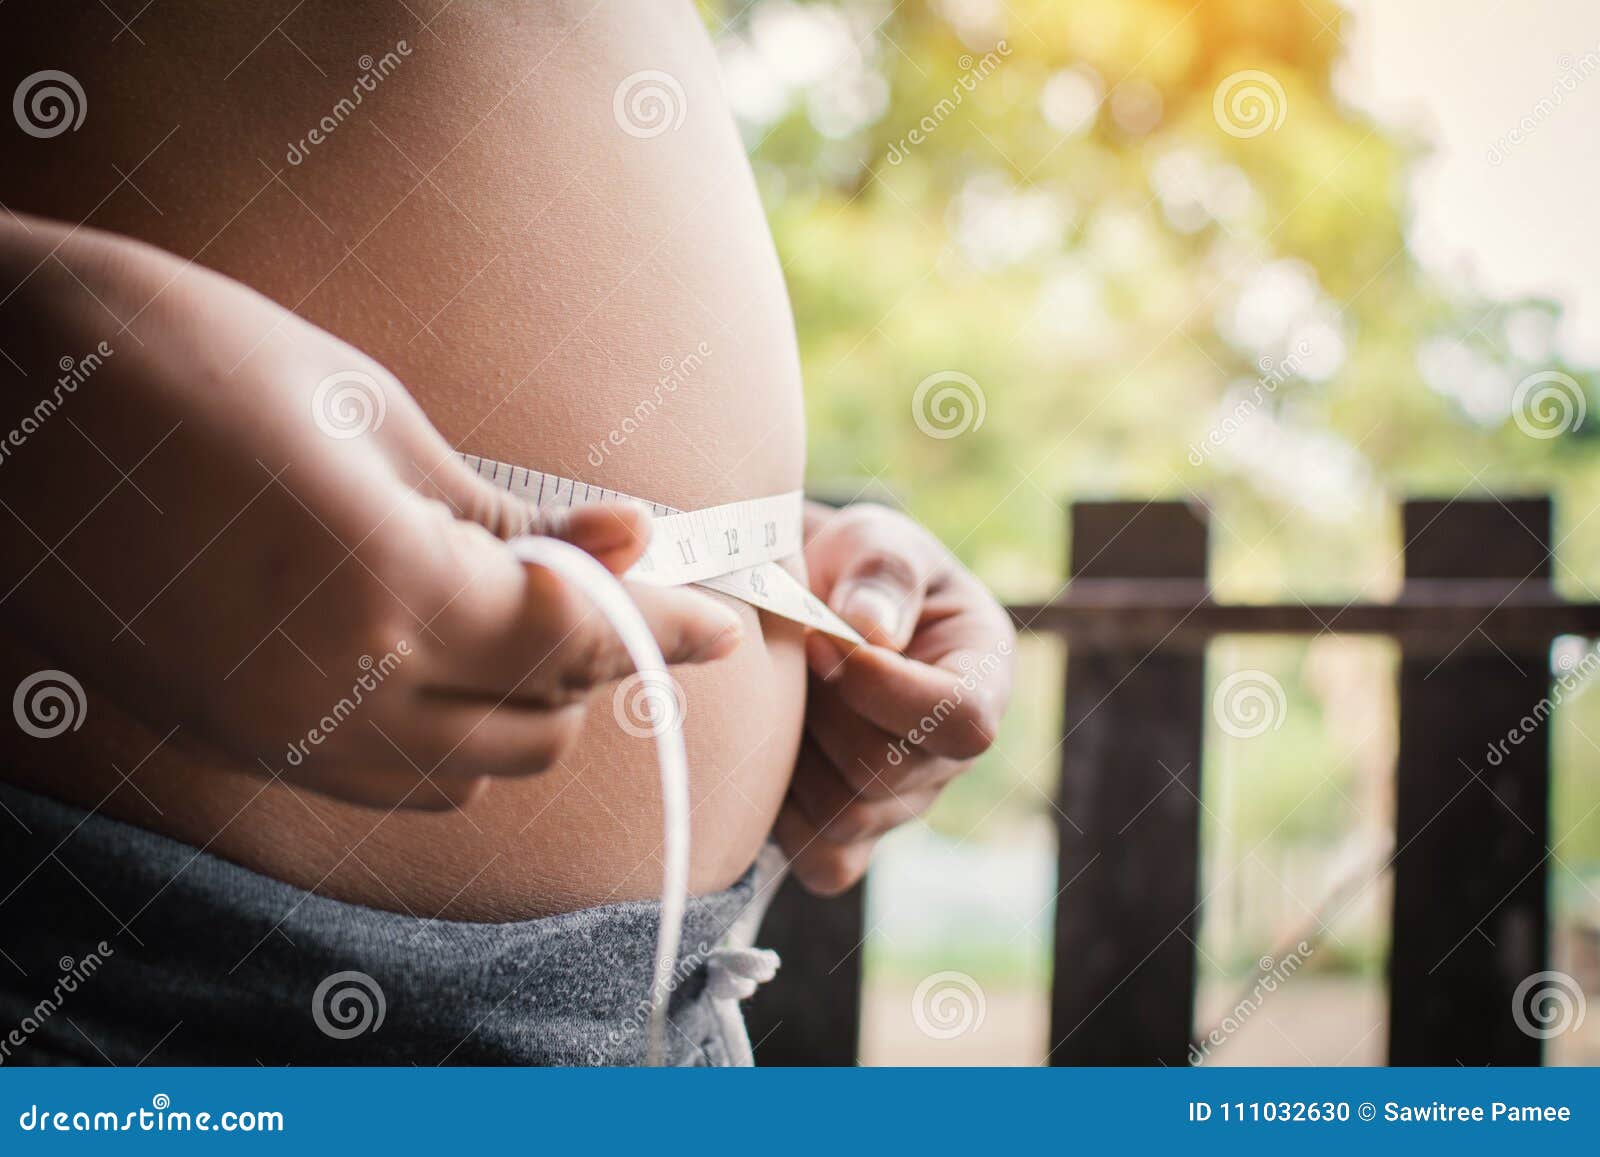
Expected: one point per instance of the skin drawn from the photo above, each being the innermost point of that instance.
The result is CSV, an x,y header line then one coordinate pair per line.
x,y
888,725
482,240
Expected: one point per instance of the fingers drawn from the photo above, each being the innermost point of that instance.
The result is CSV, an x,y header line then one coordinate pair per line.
x,y
509,657
891,722
949,689
951,708
466,738
880,595
690,625
457,733
842,813
521,633
545,644
472,498
822,868
829,831
438,753
870,761
872,566
616,533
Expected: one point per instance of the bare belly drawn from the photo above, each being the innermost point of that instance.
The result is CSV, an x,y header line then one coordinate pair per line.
x,y
535,262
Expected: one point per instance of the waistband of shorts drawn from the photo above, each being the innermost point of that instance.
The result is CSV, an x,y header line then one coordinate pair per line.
x,y
198,960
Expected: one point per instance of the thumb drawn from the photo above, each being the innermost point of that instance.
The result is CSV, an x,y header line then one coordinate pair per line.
x,y
615,533
880,594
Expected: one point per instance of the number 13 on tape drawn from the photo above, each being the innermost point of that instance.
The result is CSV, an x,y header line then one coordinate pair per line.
x,y
733,549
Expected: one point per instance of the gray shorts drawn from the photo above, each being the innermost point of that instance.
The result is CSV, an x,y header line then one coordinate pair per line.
x,y
121,946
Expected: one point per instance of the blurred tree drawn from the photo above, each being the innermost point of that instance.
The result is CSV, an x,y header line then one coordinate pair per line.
x,y
1047,249
1125,221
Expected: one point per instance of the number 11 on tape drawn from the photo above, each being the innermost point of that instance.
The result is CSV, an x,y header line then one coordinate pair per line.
x,y
733,549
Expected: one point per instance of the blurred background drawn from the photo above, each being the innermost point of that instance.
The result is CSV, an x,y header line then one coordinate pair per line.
x,y
1292,260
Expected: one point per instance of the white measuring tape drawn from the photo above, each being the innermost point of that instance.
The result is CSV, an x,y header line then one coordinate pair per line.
x,y
733,549
611,599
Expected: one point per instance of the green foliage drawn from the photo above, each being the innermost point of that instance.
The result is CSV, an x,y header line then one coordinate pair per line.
x,y
1071,274
1076,229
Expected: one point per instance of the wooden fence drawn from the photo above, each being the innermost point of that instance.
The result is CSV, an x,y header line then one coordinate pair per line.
x,y
1474,624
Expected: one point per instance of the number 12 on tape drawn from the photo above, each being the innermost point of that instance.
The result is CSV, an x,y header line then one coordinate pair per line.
x,y
733,549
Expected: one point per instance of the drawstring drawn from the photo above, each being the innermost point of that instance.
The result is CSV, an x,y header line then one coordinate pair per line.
x,y
732,974
734,968
611,600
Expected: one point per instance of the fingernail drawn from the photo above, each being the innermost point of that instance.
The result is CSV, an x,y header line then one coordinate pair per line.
x,y
627,506
640,508
605,533
872,609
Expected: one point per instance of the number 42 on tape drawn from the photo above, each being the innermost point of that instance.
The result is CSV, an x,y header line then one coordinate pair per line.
x,y
733,549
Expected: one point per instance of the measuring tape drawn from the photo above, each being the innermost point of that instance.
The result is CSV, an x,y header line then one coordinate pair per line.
x,y
733,549
611,599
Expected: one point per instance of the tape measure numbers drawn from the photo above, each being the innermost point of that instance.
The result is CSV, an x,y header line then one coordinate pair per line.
x,y
733,549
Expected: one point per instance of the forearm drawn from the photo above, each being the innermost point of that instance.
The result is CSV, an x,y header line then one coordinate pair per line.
x,y
71,421
189,528
123,480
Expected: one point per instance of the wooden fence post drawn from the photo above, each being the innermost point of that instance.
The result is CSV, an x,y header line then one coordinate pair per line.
x,y
810,1014
1471,828
1129,828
